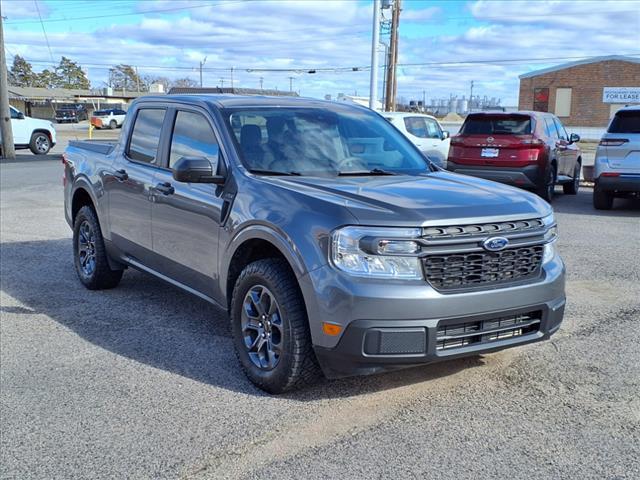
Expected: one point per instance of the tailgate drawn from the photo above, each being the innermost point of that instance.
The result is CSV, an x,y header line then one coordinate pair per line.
x,y
626,156
494,150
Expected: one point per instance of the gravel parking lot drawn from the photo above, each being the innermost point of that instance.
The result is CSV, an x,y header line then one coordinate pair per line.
x,y
142,382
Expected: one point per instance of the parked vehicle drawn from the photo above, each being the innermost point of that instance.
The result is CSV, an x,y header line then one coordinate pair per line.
x,y
617,165
425,132
37,135
332,242
71,113
112,118
527,149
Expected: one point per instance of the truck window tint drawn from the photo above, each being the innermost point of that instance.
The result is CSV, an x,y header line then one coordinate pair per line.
x,y
145,136
626,121
193,137
497,125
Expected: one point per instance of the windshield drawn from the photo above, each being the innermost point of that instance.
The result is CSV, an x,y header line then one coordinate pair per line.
x,y
496,125
319,141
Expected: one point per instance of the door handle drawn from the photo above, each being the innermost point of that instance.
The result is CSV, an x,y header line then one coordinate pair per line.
x,y
165,188
121,174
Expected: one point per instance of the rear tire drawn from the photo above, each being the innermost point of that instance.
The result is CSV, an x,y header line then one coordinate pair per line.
x,y
90,254
40,143
547,190
573,187
270,328
602,200
113,124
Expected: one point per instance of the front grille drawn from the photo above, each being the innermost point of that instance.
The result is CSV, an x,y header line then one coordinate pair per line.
x,y
474,269
460,335
499,228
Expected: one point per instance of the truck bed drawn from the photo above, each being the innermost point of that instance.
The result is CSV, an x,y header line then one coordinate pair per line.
x,y
104,147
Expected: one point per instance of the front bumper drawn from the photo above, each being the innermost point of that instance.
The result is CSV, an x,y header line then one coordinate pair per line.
x,y
528,176
359,305
625,183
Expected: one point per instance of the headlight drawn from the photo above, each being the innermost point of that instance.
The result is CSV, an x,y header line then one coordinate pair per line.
x,y
377,252
550,249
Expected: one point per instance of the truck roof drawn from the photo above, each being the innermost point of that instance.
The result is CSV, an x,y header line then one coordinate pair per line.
x,y
235,101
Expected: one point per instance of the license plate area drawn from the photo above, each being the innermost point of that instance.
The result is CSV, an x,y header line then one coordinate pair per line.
x,y
490,152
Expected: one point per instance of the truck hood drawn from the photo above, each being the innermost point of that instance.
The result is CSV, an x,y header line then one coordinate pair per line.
x,y
38,123
439,197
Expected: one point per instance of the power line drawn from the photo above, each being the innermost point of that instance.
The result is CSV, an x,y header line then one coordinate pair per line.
x,y
44,32
128,14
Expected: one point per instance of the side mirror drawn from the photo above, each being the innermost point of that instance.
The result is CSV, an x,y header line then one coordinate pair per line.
x,y
445,134
195,170
20,116
574,138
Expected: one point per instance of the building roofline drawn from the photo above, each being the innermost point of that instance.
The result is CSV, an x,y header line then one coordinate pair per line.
x,y
605,58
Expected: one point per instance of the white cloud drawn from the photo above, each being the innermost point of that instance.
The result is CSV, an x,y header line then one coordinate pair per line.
x,y
276,34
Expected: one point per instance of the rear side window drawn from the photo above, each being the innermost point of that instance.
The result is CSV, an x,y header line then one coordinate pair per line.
x,y
550,128
625,121
193,137
497,125
145,136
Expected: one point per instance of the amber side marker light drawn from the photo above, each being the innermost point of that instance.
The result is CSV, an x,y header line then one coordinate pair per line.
x,y
331,329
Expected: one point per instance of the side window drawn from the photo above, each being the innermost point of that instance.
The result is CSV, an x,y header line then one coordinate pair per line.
x,y
145,135
416,126
433,129
550,128
562,133
14,113
193,137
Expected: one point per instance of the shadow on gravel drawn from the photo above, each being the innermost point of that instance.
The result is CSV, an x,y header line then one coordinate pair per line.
x,y
153,323
22,157
582,204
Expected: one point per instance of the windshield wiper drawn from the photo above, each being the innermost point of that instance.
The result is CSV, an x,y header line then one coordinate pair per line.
x,y
364,173
258,171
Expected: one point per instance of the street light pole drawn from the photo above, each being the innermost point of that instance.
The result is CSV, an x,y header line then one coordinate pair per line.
x,y
202,65
375,41
8,148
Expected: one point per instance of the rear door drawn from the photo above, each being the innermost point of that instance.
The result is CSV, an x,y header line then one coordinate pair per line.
x,y
623,141
566,152
186,217
129,184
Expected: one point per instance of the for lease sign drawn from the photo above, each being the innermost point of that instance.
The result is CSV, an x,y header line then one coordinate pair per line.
x,y
621,94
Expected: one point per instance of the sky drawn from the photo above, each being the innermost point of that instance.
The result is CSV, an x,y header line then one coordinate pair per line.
x,y
444,45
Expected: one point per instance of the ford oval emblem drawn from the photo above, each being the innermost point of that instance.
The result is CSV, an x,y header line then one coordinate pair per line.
x,y
495,244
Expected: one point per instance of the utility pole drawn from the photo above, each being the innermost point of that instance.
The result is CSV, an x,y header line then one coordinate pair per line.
x,y
202,65
424,101
231,79
291,84
261,82
392,87
8,148
471,95
222,83
137,80
375,42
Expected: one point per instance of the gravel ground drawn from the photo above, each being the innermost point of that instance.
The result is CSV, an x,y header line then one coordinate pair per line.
x,y
141,381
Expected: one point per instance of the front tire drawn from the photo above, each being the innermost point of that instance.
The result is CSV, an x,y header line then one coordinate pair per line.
x,y
602,200
113,124
90,254
270,328
40,143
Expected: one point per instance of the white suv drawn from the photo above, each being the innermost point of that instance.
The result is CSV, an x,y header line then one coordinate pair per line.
x,y
425,132
37,135
617,165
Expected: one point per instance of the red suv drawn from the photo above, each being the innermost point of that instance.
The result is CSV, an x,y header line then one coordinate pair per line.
x,y
527,149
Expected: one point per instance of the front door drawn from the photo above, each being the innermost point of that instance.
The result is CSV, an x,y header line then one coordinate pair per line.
x,y
128,184
21,127
186,217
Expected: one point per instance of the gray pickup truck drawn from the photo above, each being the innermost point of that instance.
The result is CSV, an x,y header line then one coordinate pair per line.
x,y
333,243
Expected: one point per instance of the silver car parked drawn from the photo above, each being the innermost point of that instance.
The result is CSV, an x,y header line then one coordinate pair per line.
x,y
617,166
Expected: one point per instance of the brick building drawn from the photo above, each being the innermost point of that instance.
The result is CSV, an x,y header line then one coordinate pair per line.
x,y
584,93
